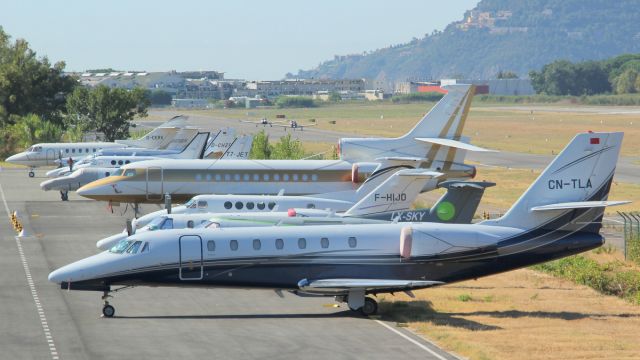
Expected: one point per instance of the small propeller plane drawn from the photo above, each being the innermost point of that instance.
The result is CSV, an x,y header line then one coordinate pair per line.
x,y
559,215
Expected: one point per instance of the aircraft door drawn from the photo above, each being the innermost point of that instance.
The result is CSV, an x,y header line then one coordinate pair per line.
x,y
155,183
51,156
190,257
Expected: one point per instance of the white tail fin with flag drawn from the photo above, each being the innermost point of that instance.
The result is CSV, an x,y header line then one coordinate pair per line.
x,y
577,180
160,137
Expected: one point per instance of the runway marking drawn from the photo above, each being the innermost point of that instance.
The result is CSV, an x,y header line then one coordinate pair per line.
x,y
32,287
422,346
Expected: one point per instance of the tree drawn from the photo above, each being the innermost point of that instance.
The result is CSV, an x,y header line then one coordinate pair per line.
x,y
30,85
506,75
335,97
26,131
106,110
260,149
159,97
626,82
287,148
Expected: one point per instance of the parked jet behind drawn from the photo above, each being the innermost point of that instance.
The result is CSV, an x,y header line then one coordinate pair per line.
x,y
157,140
559,215
46,154
366,211
104,166
147,181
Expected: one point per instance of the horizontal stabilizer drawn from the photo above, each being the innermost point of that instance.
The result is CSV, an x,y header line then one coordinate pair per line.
x,y
368,284
401,159
454,184
454,144
578,205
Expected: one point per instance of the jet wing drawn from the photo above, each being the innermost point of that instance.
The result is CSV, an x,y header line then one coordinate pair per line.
x,y
341,285
455,144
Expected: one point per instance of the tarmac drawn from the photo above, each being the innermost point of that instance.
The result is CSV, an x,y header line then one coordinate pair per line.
x,y
38,320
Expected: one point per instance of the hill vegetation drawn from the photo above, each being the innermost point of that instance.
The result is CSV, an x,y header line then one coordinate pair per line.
x,y
501,36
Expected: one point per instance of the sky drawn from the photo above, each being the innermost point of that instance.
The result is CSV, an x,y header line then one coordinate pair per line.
x,y
256,40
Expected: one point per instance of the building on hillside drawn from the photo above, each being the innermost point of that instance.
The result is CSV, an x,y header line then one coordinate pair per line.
x,y
190,103
306,87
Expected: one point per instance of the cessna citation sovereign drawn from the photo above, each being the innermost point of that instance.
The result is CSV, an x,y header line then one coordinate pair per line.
x,y
147,181
46,154
559,215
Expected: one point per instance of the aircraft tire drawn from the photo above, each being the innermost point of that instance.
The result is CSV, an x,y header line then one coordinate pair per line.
x,y
370,307
108,311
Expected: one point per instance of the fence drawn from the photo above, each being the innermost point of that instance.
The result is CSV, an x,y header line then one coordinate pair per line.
x,y
631,235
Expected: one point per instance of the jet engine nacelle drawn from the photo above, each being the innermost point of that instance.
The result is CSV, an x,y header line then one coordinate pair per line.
x,y
361,171
442,242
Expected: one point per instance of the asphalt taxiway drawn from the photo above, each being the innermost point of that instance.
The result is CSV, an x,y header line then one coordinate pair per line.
x,y
38,320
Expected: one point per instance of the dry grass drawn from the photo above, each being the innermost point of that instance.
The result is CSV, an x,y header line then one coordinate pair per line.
x,y
521,314
503,129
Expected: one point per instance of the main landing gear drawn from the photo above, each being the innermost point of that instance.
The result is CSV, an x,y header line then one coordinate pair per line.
x,y
64,195
358,302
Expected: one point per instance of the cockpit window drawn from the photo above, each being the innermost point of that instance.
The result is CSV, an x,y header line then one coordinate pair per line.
x,y
130,172
167,224
134,247
36,148
191,204
145,248
156,223
118,172
121,246
202,204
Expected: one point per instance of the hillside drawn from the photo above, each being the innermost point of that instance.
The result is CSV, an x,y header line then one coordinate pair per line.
x,y
515,35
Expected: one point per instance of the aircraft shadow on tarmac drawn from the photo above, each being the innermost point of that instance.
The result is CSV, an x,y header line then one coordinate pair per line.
x,y
340,314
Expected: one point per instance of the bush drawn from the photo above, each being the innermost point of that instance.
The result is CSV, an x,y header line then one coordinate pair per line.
x,y
417,97
611,278
295,102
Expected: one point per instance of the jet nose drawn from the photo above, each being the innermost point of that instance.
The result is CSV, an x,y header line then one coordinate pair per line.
x,y
58,276
16,159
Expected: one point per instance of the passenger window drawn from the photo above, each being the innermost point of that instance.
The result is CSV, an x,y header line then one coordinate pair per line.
x,y
260,205
202,204
324,242
190,224
134,248
127,161
279,244
353,242
228,205
227,177
211,245
79,151
302,243
239,205
250,205
295,177
314,177
285,177
94,149
233,244
218,177
245,177
145,248
256,177
265,177
236,177
305,177
66,151
86,150
198,177
119,162
276,177
208,177
272,205
73,151
256,244
113,162
311,206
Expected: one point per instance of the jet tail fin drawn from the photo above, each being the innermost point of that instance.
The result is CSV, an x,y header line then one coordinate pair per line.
x,y
240,148
571,192
220,143
195,149
396,193
159,137
460,202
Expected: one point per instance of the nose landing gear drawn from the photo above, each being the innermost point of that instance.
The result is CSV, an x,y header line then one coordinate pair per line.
x,y
31,173
107,310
